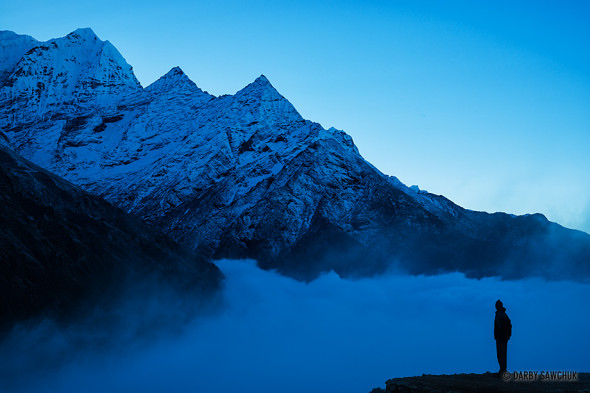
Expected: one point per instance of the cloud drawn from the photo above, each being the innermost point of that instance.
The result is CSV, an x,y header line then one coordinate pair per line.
x,y
277,334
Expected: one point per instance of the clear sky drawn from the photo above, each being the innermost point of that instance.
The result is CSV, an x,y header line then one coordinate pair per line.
x,y
487,103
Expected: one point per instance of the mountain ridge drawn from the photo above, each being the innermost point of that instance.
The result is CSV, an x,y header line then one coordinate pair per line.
x,y
246,176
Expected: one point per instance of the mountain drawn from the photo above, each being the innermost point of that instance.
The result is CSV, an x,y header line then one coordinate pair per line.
x,y
63,249
245,176
13,47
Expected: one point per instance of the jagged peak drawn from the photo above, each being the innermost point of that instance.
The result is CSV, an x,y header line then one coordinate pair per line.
x,y
262,80
175,79
259,86
175,72
263,83
86,33
82,58
81,38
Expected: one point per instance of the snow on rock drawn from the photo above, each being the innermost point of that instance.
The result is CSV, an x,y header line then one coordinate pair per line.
x,y
70,74
12,48
240,175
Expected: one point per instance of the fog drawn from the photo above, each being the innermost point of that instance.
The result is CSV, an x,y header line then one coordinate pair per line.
x,y
273,333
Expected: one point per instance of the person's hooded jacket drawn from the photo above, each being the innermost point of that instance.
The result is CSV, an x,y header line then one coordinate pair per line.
x,y
502,324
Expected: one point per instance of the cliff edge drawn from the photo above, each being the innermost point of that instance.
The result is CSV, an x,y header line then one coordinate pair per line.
x,y
487,383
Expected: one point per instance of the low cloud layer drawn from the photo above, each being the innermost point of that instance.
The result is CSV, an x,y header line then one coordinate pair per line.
x,y
277,334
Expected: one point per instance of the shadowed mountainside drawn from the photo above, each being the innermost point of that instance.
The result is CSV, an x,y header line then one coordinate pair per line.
x,y
62,250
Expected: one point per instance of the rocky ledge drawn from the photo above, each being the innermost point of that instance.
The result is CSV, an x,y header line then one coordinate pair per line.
x,y
487,383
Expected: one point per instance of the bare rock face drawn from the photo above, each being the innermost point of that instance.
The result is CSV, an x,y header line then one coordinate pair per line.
x,y
63,249
245,175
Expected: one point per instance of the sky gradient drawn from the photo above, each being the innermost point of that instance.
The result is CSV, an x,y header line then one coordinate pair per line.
x,y
485,103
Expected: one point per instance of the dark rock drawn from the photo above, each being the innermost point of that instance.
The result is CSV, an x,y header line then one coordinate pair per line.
x,y
484,383
63,250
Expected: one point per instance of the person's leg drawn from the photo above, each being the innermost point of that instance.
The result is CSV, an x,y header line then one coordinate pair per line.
x,y
501,352
505,359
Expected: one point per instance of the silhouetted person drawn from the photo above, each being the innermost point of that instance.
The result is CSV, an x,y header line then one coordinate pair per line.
x,y
502,333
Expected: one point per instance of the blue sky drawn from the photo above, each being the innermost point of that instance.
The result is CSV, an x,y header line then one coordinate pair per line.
x,y
487,103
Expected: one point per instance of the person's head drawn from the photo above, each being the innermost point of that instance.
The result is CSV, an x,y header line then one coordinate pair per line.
x,y
499,305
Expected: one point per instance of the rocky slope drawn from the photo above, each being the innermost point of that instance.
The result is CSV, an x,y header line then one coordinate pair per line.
x,y
63,250
245,175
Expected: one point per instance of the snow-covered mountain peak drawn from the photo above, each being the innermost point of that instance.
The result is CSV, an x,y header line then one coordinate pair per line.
x,y
264,101
261,87
176,71
83,34
12,47
78,70
169,79
101,57
263,80
176,81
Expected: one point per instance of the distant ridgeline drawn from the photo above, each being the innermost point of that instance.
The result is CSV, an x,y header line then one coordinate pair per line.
x,y
245,176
